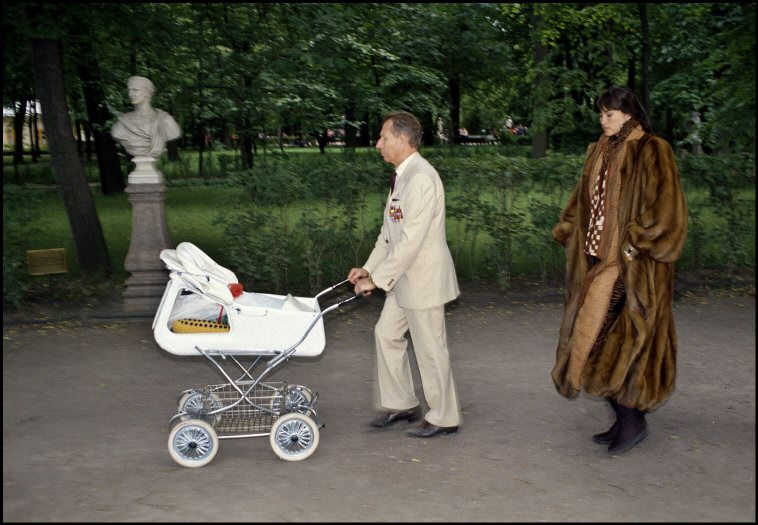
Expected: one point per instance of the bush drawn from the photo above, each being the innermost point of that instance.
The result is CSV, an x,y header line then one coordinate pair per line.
x,y
19,205
298,222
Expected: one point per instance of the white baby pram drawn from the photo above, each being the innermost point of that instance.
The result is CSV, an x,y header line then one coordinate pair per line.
x,y
199,315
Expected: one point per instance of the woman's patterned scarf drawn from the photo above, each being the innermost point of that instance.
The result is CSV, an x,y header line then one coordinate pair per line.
x,y
597,216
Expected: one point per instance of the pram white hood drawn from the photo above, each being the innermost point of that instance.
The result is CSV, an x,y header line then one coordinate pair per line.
x,y
197,269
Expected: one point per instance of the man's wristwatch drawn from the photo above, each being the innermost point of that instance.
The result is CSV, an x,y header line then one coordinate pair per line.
x,y
370,279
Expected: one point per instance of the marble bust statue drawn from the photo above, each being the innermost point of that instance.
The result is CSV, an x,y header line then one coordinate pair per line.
x,y
144,131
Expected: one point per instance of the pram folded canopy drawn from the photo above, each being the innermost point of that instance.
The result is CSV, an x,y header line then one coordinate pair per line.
x,y
201,271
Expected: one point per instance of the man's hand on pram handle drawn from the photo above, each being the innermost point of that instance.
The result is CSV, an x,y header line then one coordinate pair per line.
x,y
362,281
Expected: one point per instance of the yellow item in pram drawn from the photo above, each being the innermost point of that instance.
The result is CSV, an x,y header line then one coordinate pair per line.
x,y
191,326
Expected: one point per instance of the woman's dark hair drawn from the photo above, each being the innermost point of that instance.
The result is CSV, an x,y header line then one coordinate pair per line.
x,y
623,99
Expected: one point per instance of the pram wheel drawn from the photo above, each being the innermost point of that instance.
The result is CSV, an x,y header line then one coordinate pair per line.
x,y
193,443
192,403
294,436
296,398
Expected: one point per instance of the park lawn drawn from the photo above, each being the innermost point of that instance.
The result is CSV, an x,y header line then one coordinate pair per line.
x,y
191,216
191,213
192,210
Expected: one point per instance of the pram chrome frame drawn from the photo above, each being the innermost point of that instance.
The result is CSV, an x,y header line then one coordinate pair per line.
x,y
248,406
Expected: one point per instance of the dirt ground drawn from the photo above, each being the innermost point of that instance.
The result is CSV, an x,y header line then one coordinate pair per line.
x,y
87,396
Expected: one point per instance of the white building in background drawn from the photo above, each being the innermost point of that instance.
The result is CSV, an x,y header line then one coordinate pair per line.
x,y
9,137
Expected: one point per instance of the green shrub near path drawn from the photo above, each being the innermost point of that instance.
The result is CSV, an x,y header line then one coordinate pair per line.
x,y
297,222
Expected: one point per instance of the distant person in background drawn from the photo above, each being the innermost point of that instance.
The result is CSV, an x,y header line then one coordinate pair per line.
x,y
144,131
623,228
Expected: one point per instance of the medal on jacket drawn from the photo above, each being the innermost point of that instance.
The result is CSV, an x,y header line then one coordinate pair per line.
x,y
395,213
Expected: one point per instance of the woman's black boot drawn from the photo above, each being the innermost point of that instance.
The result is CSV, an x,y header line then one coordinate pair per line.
x,y
607,437
632,430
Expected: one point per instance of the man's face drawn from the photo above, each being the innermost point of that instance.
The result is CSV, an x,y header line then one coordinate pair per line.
x,y
391,146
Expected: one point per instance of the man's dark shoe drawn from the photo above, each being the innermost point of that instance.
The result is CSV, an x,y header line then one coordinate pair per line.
x,y
632,429
390,418
607,437
427,430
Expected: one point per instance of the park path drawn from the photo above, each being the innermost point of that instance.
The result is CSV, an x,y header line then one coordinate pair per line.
x,y
86,404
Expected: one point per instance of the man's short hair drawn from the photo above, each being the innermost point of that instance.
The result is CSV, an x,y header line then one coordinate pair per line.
x,y
404,123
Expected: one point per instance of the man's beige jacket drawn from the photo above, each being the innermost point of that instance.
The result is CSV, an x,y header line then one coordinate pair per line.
x,y
411,256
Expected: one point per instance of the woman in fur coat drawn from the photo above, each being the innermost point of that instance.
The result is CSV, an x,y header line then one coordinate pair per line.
x,y
623,228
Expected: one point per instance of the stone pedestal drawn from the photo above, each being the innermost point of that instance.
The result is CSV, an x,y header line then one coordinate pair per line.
x,y
145,171
145,287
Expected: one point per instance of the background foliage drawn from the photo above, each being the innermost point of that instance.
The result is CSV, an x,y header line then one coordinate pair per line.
x,y
249,81
246,69
322,214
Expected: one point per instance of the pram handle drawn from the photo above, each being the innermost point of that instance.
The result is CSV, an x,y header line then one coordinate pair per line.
x,y
331,288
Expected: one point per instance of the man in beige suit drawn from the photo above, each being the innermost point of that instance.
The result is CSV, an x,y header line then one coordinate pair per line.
x,y
412,263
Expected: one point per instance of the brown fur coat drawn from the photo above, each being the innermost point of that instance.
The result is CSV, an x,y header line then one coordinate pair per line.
x,y
636,365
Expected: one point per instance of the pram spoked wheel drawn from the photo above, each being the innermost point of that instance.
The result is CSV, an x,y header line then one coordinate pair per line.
x,y
193,443
296,399
192,402
294,436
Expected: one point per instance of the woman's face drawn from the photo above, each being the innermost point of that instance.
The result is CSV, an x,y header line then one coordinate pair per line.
x,y
611,120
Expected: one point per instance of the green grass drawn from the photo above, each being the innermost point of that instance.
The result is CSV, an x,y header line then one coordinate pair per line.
x,y
192,210
190,215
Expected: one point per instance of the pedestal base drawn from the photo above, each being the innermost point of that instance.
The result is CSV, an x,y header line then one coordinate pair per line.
x,y
145,172
147,283
144,290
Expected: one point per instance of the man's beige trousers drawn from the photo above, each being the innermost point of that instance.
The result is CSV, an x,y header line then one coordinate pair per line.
x,y
396,388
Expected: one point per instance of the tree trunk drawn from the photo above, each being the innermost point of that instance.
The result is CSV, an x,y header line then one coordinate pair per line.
x,y
246,145
668,132
88,141
454,88
18,133
86,230
30,127
79,141
322,139
108,164
631,72
364,140
427,128
172,149
35,138
609,53
539,136
645,73
172,146
200,149
351,140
